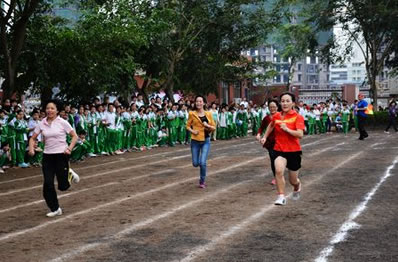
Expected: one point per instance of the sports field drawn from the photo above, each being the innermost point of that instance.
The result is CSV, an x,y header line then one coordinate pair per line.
x,y
147,206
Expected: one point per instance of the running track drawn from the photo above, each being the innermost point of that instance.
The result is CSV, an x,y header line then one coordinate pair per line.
x,y
146,207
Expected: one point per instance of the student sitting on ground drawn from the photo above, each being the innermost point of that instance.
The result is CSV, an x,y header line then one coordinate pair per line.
x,y
5,157
38,157
82,147
162,137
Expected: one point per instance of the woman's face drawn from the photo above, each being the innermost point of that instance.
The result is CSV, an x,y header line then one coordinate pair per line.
x,y
287,103
199,103
51,110
273,108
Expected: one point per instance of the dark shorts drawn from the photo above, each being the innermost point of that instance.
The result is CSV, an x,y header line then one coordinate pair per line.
x,y
293,159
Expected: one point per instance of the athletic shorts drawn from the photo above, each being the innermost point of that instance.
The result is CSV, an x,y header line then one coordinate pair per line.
x,y
293,159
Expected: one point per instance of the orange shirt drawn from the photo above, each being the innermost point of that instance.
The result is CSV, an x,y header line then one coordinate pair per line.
x,y
285,142
195,123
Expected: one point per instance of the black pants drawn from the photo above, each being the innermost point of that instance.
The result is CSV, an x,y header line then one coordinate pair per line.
x,y
392,123
361,127
272,157
54,165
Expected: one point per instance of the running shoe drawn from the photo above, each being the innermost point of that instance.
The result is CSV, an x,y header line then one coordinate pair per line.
x,y
202,185
297,192
92,155
73,177
280,201
388,132
273,182
1,171
57,212
23,165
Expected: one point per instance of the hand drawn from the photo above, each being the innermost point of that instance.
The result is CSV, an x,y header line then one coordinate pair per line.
x,y
284,127
31,152
263,140
67,151
258,137
195,132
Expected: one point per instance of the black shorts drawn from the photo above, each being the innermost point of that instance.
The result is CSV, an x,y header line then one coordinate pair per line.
x,y
293,159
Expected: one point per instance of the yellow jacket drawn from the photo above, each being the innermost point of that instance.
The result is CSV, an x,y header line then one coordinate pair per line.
x,y
195,123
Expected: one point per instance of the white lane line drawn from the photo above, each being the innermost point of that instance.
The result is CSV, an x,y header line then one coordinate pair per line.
x,y
120,200
250,220
350,224
87,247
105,185
115,170
130,158
81,249
59,197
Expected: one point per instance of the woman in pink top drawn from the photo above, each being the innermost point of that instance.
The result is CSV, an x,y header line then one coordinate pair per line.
x,y
56,155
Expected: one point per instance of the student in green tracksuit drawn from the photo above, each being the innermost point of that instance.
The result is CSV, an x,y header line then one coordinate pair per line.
x,y
345,118
162,136
223,122
3,127
172,125
93,122
232,129
126,121
102,130
119,130
38,157
142,125
20,128
81,148
254,121
242,121
134,126
183,118
311,121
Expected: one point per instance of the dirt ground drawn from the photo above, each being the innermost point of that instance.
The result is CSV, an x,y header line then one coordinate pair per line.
x,y
147,207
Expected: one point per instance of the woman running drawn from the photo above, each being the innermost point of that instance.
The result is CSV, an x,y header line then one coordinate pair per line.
x,y
273,107
200,123
56,155
289,128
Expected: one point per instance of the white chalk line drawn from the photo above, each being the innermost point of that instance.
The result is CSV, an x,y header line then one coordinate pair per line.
x,y
128,159
350,224
21,232
59,197
132,167
118,201
85,248
250,220
105,185
134,227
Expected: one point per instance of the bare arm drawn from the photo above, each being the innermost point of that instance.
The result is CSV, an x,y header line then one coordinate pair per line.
x,y
69,149
32,144
296,133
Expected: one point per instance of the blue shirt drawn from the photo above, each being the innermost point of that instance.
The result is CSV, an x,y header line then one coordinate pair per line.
x,y
362,104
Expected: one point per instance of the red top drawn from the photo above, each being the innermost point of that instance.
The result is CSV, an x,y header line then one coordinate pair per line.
x,y
285,142
270,143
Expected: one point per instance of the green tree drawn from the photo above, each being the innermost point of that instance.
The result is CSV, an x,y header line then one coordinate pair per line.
x,y
15,16
371,24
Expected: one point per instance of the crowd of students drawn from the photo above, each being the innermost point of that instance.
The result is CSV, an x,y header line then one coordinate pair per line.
x,y
115,128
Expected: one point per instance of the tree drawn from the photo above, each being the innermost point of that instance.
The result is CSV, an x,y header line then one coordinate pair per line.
x,y
14,18
371,24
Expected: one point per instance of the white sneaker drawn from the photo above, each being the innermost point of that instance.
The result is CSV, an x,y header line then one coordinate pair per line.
x,y
92,155
386,132
1,171
280,201
73,177
57,212
297,194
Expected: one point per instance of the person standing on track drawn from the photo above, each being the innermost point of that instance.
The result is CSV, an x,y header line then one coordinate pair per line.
x,y
200,124
273,107
289,127
56,155
392,113
361,113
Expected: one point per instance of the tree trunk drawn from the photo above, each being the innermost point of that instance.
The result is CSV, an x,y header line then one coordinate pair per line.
x,y
142,90
373,87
